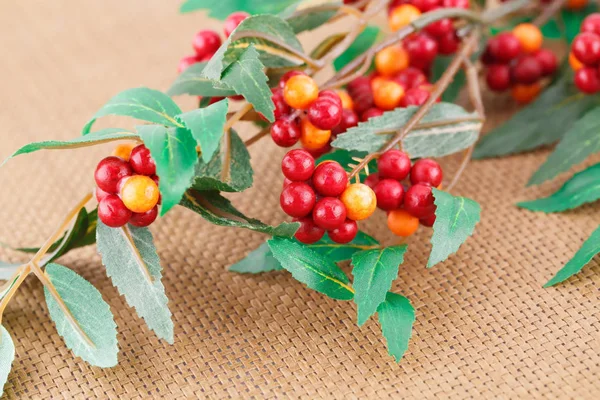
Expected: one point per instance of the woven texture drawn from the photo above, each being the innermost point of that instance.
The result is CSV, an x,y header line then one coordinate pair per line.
x,y
485,328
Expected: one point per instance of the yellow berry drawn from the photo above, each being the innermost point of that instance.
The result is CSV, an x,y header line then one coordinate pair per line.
x,y
313,138
123,150
300,91
139,193
403,15
360,201
347,102
391,60
529,36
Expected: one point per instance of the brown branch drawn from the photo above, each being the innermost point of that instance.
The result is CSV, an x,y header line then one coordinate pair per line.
x,y
548,11
20,275
257,137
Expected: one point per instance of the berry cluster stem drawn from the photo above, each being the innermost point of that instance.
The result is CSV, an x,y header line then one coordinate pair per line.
x,y
548,12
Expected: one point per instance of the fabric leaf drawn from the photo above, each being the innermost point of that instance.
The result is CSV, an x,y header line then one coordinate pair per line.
x,y
344,251
7,356
260,260
223,8
192,82
396,316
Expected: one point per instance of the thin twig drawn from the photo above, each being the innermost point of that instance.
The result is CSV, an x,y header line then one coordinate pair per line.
x,y
257,137
548,11
239,114
21,273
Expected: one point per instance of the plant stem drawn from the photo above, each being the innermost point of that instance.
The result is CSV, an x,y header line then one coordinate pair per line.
x,y
255,138
21,273
548,11
237,116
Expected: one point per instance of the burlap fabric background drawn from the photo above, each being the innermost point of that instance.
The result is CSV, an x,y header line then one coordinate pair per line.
x,y
485,328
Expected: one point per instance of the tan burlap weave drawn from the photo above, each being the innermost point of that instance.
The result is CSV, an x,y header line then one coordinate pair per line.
x,y
485,328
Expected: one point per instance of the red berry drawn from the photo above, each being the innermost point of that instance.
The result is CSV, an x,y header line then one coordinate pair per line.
x,y
330,179
498,77
345,233
112,212
142,220
298,165
487,58
440,27
526,70
389,194
418,200
591,23
156,179
281,107
110,171
285,132
410,78
141,161
371,113
586,48
428,221
393,164
362,93
297,199
456,4
316,153
329,213
421,49
308,232
372,180
206,43
349,120
504,47
186,62
287,76
286,182
426,171
331,95
547,60
414,97
100,194
325,113
587,80
426,5
448,43
232,22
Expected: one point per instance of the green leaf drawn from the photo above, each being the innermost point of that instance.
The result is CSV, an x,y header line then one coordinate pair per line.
x,y
581,141
374,271
307,21
460,131
553,29
584,255
217,210
347,159
314,270
396,316
541,123
7,356
455,221
92,139
362,43
573,19
223,8
206,125
132,264
271,55
141,103
326,45
247,77
583,187
192,82
229,170
174,152
260,260
440,65
344,251
88,329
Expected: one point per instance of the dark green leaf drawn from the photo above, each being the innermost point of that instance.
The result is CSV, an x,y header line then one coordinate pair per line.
x,y
260,260
583,187
307,21
314,270
222,8
573,19
362,43
584,255
217,210
326,45
192,82
348,159
229,170
459,131
440,65
174,152
553,29
247,77
7,356
141,103
455,221
374,271
206,125
541,123
87,326
344,251
92,139
396,316
131,262
581,141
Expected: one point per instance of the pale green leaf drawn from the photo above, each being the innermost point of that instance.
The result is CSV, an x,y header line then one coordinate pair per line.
x,y
396,316
131,262
88,329
314,270
260,260
222,8
174,152
455,221
305,20
362,43
192,82
7,356
374,272
344,251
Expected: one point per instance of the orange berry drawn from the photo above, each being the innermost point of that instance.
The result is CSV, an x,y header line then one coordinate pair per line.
x,y
313,138
529,36
576,4
360,201
526,93
347,102
139,193
403,15
402,223
300,91
123,150
574,62
391,60
387,95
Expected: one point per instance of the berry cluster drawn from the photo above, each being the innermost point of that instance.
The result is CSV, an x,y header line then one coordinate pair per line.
x,y
407,206
321,199
515,60
305,114
585,55
207,42
127,187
